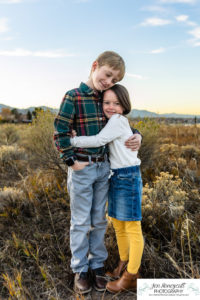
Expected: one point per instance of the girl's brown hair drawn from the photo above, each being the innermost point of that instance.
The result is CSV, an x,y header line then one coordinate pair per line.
x,y
122,96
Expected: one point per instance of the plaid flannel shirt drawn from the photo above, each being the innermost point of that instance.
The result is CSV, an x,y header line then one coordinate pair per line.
x,y
81,110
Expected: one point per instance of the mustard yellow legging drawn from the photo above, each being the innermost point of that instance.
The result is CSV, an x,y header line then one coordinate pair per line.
x,y
130,243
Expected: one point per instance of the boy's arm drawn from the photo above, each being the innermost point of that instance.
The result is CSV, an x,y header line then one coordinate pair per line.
x,y
134,130
63,124
110,132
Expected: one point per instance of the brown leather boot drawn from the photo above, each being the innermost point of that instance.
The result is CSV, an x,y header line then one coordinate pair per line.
x,y
117,272
128,281
99,279
82,283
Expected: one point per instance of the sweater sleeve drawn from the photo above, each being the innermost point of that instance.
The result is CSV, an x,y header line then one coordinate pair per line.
x,y
110,132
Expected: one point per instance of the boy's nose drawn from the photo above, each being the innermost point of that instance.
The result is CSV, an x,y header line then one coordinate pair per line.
x,y
109,81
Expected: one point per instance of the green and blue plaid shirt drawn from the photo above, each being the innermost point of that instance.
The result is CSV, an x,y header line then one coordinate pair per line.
x,y
81,110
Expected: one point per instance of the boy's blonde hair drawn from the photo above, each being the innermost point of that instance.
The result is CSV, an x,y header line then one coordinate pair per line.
x,y
113,60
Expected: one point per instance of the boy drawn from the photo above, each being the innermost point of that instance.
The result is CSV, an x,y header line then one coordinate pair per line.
x,y
88,171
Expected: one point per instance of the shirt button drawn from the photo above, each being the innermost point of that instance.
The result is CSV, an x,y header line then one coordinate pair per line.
x,y
100,119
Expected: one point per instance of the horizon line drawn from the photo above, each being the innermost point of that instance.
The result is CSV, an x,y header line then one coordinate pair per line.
x,y
57,108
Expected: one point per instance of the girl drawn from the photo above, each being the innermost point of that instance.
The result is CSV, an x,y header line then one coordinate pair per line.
x,y
125,192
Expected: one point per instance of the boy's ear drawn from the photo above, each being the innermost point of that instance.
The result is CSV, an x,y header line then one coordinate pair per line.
x,y
94,65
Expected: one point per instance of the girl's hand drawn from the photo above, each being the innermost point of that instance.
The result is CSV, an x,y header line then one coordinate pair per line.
x,y
74,133
77,166
134,142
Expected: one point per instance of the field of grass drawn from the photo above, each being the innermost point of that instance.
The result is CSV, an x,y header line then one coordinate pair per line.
x,y
35,211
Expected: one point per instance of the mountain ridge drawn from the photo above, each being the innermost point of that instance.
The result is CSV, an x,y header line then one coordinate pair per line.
x,y
135,113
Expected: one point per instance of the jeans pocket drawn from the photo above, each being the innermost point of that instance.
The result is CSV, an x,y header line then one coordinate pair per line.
x,y
78,171
128,176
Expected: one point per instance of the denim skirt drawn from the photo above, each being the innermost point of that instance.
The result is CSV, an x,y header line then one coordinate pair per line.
x,y
125,194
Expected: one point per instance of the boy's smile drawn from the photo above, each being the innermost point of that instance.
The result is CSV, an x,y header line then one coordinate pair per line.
x,y
111,104
102,78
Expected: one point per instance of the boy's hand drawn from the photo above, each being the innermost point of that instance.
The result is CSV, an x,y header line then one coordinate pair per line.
x,y
134,142
77,166
73,133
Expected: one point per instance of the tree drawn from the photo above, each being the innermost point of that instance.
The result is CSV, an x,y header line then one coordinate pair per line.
x,y
16,114
36,111
6,114
29,115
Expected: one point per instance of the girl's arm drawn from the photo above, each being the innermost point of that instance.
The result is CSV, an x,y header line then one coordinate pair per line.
x,y
110,132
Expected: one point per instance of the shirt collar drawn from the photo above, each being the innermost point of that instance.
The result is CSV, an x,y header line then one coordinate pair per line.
x,y
88,90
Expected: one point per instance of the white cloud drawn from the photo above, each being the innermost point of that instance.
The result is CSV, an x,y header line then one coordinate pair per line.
x,y
4,25
182,18
24,53
196,37
157,51
140,77
195,33
178,1
155,22
10,1
52,54
7,38
190,23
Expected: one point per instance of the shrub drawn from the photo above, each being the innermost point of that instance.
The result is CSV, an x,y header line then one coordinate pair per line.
x,y
39,143
10,199
8,134
169,228
13,163
148,151
163,201
34,240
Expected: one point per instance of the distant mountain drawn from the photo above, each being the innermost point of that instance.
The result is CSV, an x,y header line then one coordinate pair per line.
x,y
4,106
31,109
174,115
135,113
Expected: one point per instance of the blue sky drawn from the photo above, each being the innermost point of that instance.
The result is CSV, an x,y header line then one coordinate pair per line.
x,y
47,47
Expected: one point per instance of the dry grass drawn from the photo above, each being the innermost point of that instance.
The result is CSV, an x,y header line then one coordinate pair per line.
x,y
35,212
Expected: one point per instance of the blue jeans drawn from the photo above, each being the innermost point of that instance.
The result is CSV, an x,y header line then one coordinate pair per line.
x,y
88,190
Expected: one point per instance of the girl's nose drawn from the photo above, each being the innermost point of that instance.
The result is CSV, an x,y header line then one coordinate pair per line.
x,y
111,106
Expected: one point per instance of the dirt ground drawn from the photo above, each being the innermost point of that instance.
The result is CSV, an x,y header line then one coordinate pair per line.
x,y
94,295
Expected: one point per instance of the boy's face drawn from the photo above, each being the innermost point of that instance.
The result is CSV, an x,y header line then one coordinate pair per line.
x,y
103,77
111,104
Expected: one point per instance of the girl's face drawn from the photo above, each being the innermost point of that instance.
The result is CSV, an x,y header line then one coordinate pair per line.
x,y
111,104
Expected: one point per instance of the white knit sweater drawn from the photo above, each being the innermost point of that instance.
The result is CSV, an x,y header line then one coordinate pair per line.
x,y
116,132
